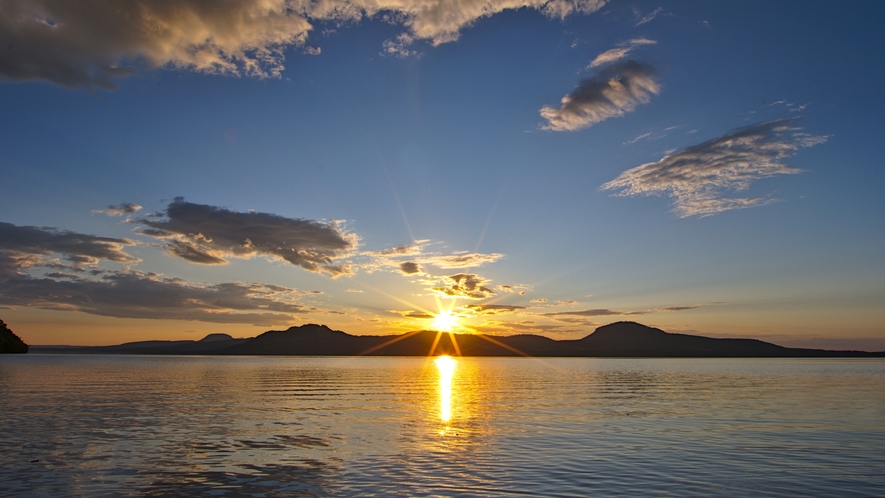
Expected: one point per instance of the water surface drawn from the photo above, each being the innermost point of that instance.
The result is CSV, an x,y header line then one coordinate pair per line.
x,y
290,426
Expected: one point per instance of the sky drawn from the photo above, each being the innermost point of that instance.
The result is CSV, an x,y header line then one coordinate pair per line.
x,y
175,168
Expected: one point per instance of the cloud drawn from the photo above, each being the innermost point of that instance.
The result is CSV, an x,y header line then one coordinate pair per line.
x,y
125,293
354,290
132,294
494,308
119,210
520,289
609,312
615,91
696,177
620,52
410,268
206,234
94,43
594,312
399,47
465,285
467,260
638,138
416,314
76,247
650,16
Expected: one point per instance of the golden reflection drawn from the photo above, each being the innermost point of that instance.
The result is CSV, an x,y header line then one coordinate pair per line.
x,y
446,366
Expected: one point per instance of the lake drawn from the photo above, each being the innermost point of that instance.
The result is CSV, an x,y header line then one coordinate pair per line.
x,y
84,425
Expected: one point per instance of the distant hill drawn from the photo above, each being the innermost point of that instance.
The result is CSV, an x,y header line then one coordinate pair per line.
x,y
9,342
207,345
621,339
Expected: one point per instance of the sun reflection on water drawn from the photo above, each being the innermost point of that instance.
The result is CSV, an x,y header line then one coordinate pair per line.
x,y
446,366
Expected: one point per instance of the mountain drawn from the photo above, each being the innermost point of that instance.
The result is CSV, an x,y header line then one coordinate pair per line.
x,y
210,344
621,339
9,342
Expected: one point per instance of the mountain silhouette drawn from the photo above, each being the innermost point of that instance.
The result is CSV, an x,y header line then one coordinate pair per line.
x,y
621,339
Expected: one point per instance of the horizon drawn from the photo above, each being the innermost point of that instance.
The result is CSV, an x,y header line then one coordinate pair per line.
x,y
543,170
451,335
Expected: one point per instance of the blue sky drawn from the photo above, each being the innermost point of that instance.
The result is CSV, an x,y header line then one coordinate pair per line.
x,y
713,169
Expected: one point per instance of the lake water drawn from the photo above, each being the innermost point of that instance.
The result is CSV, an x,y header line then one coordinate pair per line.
x,y
290,426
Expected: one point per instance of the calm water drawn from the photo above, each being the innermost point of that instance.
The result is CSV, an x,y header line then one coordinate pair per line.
x,y
110,426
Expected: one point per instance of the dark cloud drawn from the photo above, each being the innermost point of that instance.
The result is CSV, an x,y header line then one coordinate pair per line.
x,y
76,247
89,43
608,312
93,43
465,285
120,209
410,268
129,294
494,308
208,235
416,314
193,253
696,177
615,91
594,312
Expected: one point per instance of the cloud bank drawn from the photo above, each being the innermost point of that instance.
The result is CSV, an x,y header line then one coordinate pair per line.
x,y
206,234
615,91
696,177
75,247
92,43
32,275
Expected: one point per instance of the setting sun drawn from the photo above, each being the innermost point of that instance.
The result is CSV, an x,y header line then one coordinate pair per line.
x,y
445,321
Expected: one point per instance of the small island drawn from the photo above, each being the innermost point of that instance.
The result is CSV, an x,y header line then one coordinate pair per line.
x,y
9,342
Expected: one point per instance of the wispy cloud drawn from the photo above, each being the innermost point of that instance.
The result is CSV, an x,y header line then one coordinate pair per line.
x,y
467,260
620,52
696,177
206,234
120,209
494,308
650,16
93,45
615,91
610,312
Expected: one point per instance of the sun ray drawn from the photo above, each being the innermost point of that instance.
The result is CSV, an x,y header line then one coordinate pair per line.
x,y
455,343
435,342
505,346
388,343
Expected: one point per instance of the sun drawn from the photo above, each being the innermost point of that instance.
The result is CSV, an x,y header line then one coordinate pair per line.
x,y
445,321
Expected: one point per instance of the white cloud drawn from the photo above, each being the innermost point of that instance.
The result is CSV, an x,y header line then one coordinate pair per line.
x,y
650,16
617,90
622,50
696,177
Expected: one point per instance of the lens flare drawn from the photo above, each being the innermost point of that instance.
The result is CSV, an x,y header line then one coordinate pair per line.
x,y
446,366
445,321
